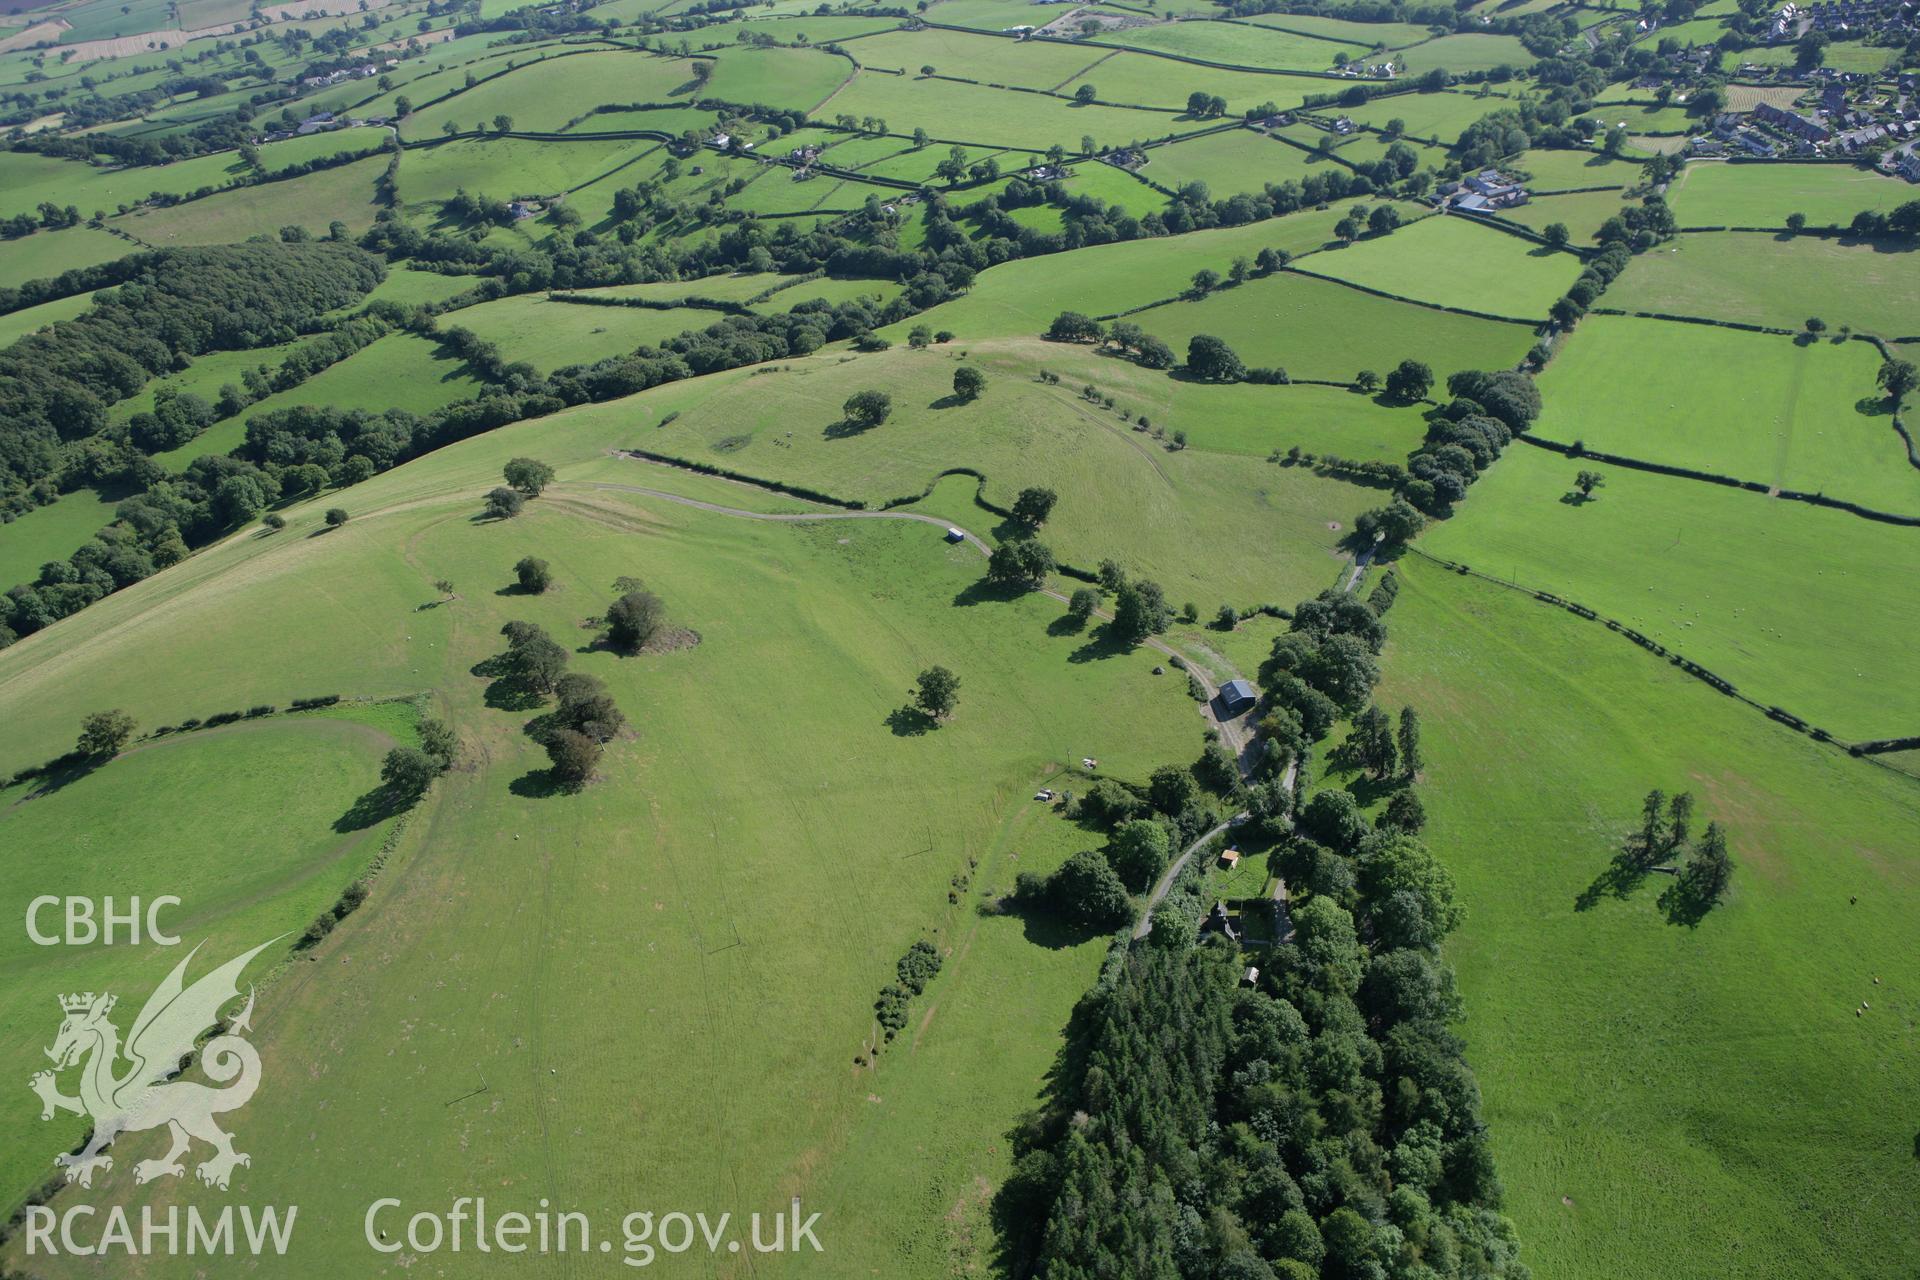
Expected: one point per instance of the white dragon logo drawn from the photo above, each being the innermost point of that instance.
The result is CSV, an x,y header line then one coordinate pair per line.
x,y
141,1098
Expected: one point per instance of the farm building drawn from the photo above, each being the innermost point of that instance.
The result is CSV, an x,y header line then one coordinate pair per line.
x,y
1237,696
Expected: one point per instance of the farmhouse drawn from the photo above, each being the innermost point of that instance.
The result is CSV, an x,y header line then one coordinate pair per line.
x,y
1236,696
1487,190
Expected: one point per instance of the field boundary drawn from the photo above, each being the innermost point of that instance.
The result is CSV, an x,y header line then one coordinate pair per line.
x,y
1730,482
1396,297
1711,679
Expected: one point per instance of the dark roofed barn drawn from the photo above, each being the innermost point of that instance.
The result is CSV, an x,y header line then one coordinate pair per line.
x,y
1237,696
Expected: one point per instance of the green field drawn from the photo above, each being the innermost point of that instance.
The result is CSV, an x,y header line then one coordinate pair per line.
x,y
549,334
1024,297
51,532
1231,162
1451,261
1322,329
704,870
238,822
1023,432
1664,1100
1391,35
1785,600
342,194
399,371
1138,79
49,253
1242,45
1778,281
1464,53
546,95
1583,214
509,167
1753,406
661,986
1762,195
16,325
1437,116
1575,170
1029,64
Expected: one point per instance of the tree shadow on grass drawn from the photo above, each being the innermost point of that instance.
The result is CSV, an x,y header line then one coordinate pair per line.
x,y
845,429
1066,625
1628,870
373,808
508,692
1103,643
64,772
910,722
1873,407
541,784
1683,903
987,591
947,402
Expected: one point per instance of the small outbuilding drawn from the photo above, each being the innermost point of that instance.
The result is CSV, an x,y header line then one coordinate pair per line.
x,y
1230,859
1237,696
954,535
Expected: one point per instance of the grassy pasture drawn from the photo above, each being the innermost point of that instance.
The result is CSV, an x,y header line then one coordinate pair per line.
x,y
1141,79
665,119
52,532
202,378
1321,329
1649,119
1391,35
739,287
1862,59
342,194
830,619
507,167
1441,115
1460,54
1788,601
238,822
49,253
16,325
1456,263
28,179
1663,1100
1114,186
1033,64
1231,162
1582,214
1123,494
1753,406
832,290
798,78
1762,195
1576,170
399,371
546,95
1240,43
549,334
993,117
410,286
1024,296
1765,279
